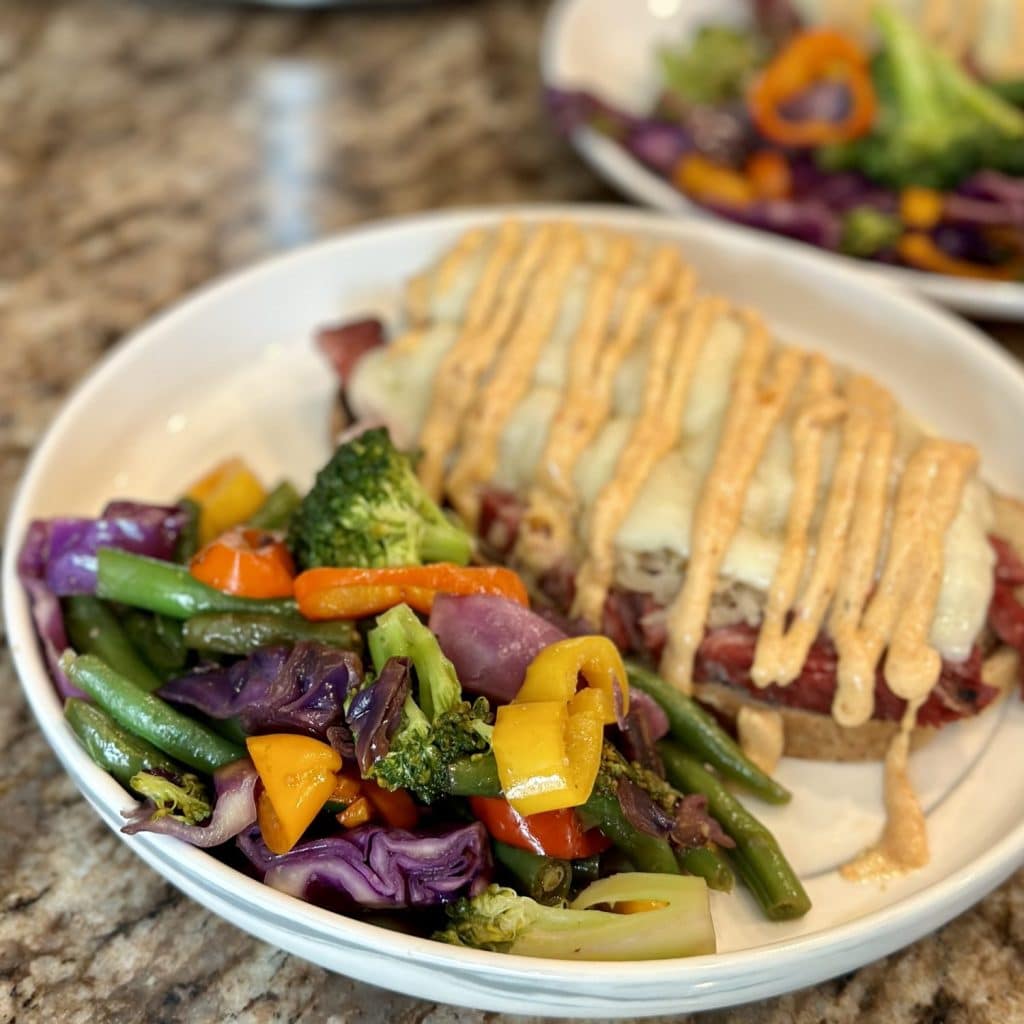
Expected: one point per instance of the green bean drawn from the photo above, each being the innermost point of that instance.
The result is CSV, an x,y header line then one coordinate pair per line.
x,y
158,639
149,717
544,879
188,539
474,776
169,589
757,857
709,864
230,728
244,632
93,629
114,749
647,853
701,735
585,870
276,511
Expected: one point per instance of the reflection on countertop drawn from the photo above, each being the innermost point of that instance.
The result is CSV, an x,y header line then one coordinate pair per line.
x,y
146,148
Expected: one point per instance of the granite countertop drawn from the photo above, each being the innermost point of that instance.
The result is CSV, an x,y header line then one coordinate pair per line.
x,y
147,147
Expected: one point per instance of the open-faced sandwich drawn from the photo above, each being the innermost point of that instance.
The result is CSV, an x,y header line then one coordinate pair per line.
x,y
774,531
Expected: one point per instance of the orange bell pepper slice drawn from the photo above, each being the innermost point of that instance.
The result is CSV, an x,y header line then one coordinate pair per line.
x,y
347,788
298,775
921,208
247,562
357,813
395,806
356,593
812,57
920,250
769,174
712,182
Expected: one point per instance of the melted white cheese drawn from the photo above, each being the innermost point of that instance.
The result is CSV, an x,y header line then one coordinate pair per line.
x,y
394,384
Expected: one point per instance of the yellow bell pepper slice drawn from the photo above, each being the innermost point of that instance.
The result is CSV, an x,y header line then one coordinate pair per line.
x,y
298,775
548,753
228,495
554,673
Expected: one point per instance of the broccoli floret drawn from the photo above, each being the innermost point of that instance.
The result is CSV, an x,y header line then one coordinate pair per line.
x,y
184,798
867,231
714,67
500,919
615,767
368,509
438,726
421,751
936,124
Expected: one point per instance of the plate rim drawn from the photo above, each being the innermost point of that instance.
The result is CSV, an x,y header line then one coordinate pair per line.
x,y
900,923
621,170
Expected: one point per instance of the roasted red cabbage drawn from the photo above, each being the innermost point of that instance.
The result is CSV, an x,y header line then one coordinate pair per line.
x,y
70,544
686,826
45,606
298,689
376,868
491,641
376,712
234,810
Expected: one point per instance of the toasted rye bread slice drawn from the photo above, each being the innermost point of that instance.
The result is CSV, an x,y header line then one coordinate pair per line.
x,y
818,737
810,734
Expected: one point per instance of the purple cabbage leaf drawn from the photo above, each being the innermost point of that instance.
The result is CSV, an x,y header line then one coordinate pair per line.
x,y
645,724
234,810
377,868
58,558
44,605
376,712
686,825
70,544
297,689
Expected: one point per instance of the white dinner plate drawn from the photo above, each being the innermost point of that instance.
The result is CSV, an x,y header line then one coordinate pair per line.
x,y
608,47
233,370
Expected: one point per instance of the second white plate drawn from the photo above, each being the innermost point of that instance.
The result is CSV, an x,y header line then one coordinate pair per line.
x,y
607,47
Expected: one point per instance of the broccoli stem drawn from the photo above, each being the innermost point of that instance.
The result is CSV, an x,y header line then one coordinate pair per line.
x,y
399,634
443,542
544,879
909,61
984,102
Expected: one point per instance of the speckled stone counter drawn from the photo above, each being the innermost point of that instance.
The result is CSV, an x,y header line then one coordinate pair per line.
x,y
144,149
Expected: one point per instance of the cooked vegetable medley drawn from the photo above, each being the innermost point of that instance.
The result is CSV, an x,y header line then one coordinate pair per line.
x,y
880,145
299,689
